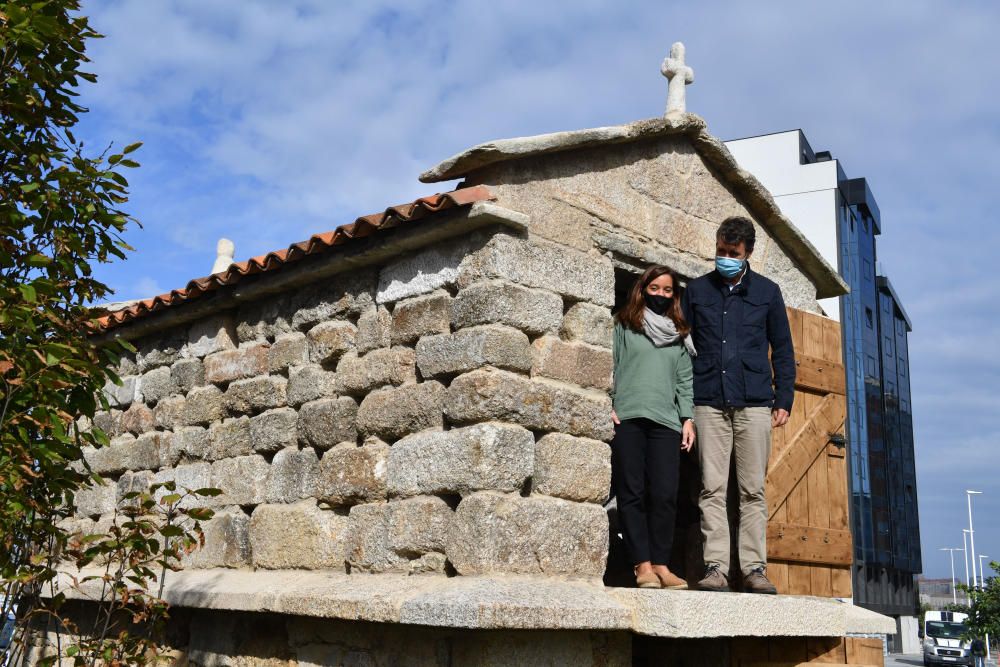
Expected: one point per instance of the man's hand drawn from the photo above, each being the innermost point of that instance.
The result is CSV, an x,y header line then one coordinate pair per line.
x,y
779,417
687,436
614,418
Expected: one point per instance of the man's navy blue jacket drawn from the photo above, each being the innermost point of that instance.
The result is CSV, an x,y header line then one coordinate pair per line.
x,y
732,330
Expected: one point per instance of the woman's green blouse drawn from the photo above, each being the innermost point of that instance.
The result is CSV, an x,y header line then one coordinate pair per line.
x,y
651,382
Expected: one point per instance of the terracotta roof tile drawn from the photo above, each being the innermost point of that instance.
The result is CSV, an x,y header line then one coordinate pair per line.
x,y
316,244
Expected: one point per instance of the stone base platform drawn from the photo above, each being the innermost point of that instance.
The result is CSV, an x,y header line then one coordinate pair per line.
x,y
515,603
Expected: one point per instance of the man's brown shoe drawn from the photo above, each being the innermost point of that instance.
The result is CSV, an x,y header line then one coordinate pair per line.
x,y
757,582
714,580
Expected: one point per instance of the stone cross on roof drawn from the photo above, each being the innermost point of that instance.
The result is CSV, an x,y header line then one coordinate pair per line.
x,y
679,75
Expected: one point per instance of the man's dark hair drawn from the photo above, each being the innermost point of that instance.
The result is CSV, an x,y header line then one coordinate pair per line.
x,y
736,229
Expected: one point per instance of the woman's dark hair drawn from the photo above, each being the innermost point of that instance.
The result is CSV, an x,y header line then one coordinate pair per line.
x,y
737,229
631,313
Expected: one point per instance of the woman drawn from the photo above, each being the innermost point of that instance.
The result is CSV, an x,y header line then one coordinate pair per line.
x,y
652,413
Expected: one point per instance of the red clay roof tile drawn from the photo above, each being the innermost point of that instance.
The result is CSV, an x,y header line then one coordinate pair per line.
x,y
317,243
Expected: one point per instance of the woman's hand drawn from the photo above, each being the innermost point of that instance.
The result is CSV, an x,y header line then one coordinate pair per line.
x,y
614,418
687,435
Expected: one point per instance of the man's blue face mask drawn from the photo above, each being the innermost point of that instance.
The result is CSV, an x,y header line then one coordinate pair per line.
x,y
729,267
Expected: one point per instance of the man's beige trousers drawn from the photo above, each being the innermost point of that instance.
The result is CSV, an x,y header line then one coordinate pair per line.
x,y
746,434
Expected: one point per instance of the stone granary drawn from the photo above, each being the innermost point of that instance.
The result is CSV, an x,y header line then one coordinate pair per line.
x,y
408,417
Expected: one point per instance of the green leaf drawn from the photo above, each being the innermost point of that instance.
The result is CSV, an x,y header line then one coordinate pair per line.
x,y
170,499
30,187
28,293
132,147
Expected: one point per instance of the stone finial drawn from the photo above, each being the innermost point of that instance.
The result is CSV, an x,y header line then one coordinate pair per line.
x,y
679,75
224,251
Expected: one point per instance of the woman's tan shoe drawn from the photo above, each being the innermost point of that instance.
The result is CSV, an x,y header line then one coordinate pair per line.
x,y
647,580
671,581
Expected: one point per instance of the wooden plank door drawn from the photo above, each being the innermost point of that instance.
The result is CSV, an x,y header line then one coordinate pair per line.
x,y
809,542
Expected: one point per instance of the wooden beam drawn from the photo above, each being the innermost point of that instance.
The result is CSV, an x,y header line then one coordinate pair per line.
x,y
819,375
805,446
808,544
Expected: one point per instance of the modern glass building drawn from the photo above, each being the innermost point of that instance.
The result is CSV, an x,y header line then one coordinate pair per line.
x,y
841,218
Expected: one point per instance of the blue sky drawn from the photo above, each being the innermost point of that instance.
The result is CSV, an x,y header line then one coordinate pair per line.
x,y
266,122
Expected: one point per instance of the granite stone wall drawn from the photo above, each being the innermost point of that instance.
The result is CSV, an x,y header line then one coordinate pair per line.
x,y
444,413
656,201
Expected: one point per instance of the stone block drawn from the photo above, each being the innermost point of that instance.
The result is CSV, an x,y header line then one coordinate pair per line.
x,y
326,422
462,460
171,449
264,319
227,541
121,395
127,364
138,419
228,365
132,482
109,421
186,477
187,374
149,450
538,404
204,405
169,412
535,311
243,480
307,383
156,384
291,349
293,475
254,395
386,366
392,413
195,442
328,341
297,536
497,533
230,438
210,335
374,329
110,459
572,468
468,349
161,351
96,499
417,526
336,298
369,549
426,271
191,477
576,363
574,274
274,430
419,316
588,323
349,474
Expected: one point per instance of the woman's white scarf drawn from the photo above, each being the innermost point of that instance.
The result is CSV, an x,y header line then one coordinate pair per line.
x,y
662,331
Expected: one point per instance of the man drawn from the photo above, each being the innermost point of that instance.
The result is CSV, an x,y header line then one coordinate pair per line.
x,y
736,316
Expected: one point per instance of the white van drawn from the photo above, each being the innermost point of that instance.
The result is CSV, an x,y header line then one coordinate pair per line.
x,y
943,643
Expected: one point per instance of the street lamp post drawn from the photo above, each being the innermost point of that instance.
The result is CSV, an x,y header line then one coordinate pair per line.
x,y
965,552
951,552
972,533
